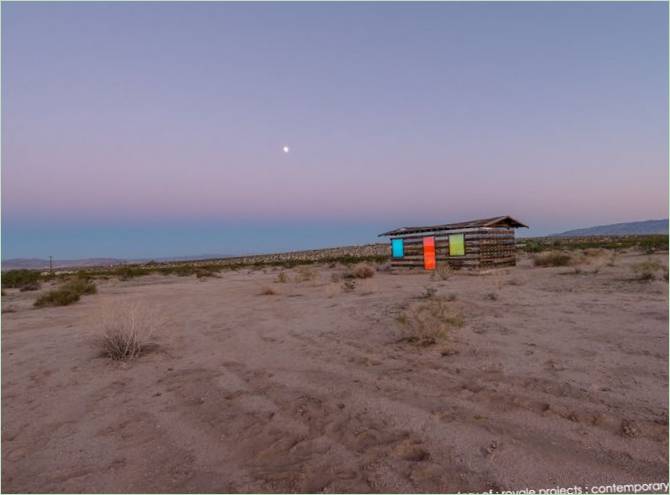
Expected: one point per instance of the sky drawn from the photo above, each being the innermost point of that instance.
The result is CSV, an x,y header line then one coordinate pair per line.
x,y
157,129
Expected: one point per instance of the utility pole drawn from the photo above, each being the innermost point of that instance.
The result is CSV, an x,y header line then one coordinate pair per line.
x,y
51,265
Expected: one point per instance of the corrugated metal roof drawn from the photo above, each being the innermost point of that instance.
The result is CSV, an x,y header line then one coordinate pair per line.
x,y
505,221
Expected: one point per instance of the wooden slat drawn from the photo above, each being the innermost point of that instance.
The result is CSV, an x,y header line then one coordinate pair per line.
x,y
473,236
442,256
483,247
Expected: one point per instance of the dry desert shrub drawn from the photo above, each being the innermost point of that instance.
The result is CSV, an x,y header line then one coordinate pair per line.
x,y
67,294
57,297
268,291
282,278
363,271
335,277
31,286
127,329
82,286
349,285
429,322
428,293
203,273
16,279
594,252
552,258
441,272
647,270
128,272
305,274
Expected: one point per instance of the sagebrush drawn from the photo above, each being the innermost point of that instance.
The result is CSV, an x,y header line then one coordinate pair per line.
x,y
552,258
68,293
442,272
127,329
648,270
361,271
305,274
429,322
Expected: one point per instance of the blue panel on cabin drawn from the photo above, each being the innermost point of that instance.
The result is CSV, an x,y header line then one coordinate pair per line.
x,y
397,248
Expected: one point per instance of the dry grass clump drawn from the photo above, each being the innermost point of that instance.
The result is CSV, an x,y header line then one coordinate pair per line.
x,y
81,286
362,271
203,273
127,329
68,293
128,272
552,258
282,278
305,274
428,293
30,287
349,285
429,322
647,270
57,297
268,291
441,272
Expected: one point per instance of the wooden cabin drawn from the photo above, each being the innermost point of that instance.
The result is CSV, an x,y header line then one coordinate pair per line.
x,y
477,244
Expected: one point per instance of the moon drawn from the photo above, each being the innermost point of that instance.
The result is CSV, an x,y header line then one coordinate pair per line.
x,y
286,149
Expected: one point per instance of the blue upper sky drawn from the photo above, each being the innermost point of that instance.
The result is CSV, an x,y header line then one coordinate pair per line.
x,y
157,129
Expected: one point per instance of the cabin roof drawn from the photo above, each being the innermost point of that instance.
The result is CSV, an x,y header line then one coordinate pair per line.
x,y
505,221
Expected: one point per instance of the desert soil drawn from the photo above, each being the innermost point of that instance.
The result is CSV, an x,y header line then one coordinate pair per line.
x,y
555,379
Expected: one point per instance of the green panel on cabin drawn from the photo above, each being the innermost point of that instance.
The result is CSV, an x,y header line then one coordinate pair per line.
x,y
456,245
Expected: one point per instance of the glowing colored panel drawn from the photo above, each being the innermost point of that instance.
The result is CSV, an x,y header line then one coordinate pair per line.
x,y
397,248
456,245
429,253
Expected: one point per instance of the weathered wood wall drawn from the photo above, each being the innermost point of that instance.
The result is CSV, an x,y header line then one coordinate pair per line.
x,y
484,248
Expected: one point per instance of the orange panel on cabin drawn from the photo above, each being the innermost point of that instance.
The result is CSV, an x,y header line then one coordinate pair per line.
x,y
429,253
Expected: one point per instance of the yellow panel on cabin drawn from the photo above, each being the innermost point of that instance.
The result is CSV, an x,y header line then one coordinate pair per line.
x,y
456,245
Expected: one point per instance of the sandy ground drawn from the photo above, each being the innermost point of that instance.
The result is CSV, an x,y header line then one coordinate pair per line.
x,y
560,379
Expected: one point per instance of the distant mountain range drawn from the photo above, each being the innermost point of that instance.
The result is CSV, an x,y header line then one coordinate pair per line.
x,y
646,227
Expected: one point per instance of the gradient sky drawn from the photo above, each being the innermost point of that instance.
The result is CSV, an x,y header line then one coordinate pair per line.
x,y
156,129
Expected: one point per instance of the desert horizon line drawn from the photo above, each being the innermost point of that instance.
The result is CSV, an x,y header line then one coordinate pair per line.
x,y
521,234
